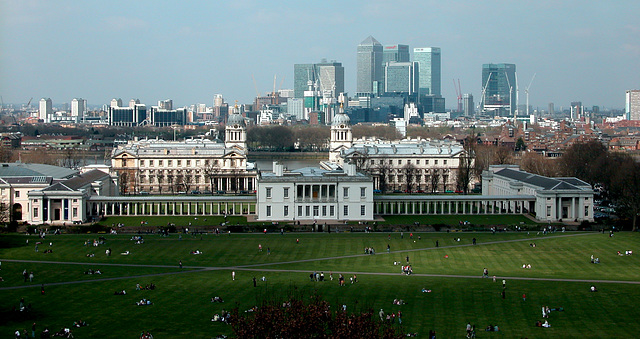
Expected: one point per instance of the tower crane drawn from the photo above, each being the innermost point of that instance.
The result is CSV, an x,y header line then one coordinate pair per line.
x,y
458,93
526,91
484,92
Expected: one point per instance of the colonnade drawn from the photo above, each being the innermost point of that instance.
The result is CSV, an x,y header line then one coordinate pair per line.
x,y
480,205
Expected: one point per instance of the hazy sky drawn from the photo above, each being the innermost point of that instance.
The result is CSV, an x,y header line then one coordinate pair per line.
x,y
188,51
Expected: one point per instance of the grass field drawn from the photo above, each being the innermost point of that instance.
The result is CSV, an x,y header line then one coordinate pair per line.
x,y
560,276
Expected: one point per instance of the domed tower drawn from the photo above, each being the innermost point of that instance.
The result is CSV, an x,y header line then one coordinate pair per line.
x,y
341,137
235,132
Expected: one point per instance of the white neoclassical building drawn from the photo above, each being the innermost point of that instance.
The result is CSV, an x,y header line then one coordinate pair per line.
x,y
418,164
314,194
197,165
556,199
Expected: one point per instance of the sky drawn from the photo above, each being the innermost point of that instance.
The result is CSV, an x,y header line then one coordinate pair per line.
x,y
189,51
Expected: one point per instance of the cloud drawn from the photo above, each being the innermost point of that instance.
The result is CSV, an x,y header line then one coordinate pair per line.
x,y
122,23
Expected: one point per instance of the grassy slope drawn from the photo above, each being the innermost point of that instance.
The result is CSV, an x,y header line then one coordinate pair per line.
x,y
182,302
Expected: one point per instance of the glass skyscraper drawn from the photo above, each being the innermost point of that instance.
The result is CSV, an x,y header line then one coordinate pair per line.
x,y
395,53
401,77
370,71
498,84
428,59
329,75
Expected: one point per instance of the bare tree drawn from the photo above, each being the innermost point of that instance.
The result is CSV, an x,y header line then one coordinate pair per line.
x,y
211,171
382,170
362,160
171,178
536,163
435,179
123,180
4,211
409,171
465,166
71,157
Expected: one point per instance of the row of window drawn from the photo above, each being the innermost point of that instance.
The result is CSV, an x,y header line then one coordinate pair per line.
x,y
316,211
74,212
417,162
187,163
285,192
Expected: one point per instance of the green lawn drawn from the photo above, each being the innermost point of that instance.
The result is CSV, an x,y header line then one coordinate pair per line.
x,y
182,306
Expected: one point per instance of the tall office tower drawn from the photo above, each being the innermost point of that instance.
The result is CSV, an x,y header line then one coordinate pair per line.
x,y
395,53
499,85
134,102
576,110
331,78
467,105
295,107
46,110
401,77
116,102
551,109
632,106
78,107
218,100
165,104
302,75
428,59
370,71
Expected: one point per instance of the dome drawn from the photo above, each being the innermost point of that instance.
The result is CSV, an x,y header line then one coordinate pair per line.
x,y
341,119
236,119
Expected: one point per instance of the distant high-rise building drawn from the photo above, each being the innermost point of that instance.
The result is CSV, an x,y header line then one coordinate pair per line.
x,y
218,100
428,59
295,107
329,76
165,104
498,83
78,108
395,53
46,110
576,110
551,109
134,102
302,75
370,71
116,102
467,105
401,77
632,106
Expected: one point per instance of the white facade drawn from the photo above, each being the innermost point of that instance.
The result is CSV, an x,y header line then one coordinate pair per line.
x,y
556,199
78,109
314,194
46,110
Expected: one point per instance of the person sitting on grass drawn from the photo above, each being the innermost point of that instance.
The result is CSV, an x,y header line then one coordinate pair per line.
x,y
398,302
80,323
424,290
125,253
217,300
123,292
593,288
144,302
546,324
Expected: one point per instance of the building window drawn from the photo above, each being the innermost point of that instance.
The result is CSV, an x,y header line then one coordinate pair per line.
x,y
285,193
75,212
363,209
548,211
268,189
345,191
372,161
150,163
188,163
35,212
435,162
399,162
169,163
363,192
316,211
324,211
444,162
426,162
179,163
17,194
286,211
418,162
586,211
307,209
300,210
197,162
160,163
268,211
346,210
332,211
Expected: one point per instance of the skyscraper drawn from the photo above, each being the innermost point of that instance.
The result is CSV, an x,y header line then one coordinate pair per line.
x,y
46,110
498,84
401,77
632,106
369,79
467,105
78,107
328,75
428,59
395,53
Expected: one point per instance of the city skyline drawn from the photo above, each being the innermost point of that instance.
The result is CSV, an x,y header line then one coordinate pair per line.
x,y
580,51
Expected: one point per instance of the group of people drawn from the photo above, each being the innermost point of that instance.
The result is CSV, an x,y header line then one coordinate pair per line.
x,y
526,265
369,250
223,316
407,270
595,260
625,253
150,286
144,302
92,271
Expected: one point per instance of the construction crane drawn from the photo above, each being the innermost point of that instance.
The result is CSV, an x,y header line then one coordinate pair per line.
x,y
29,103
526,91
484,92
458,94
255,86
